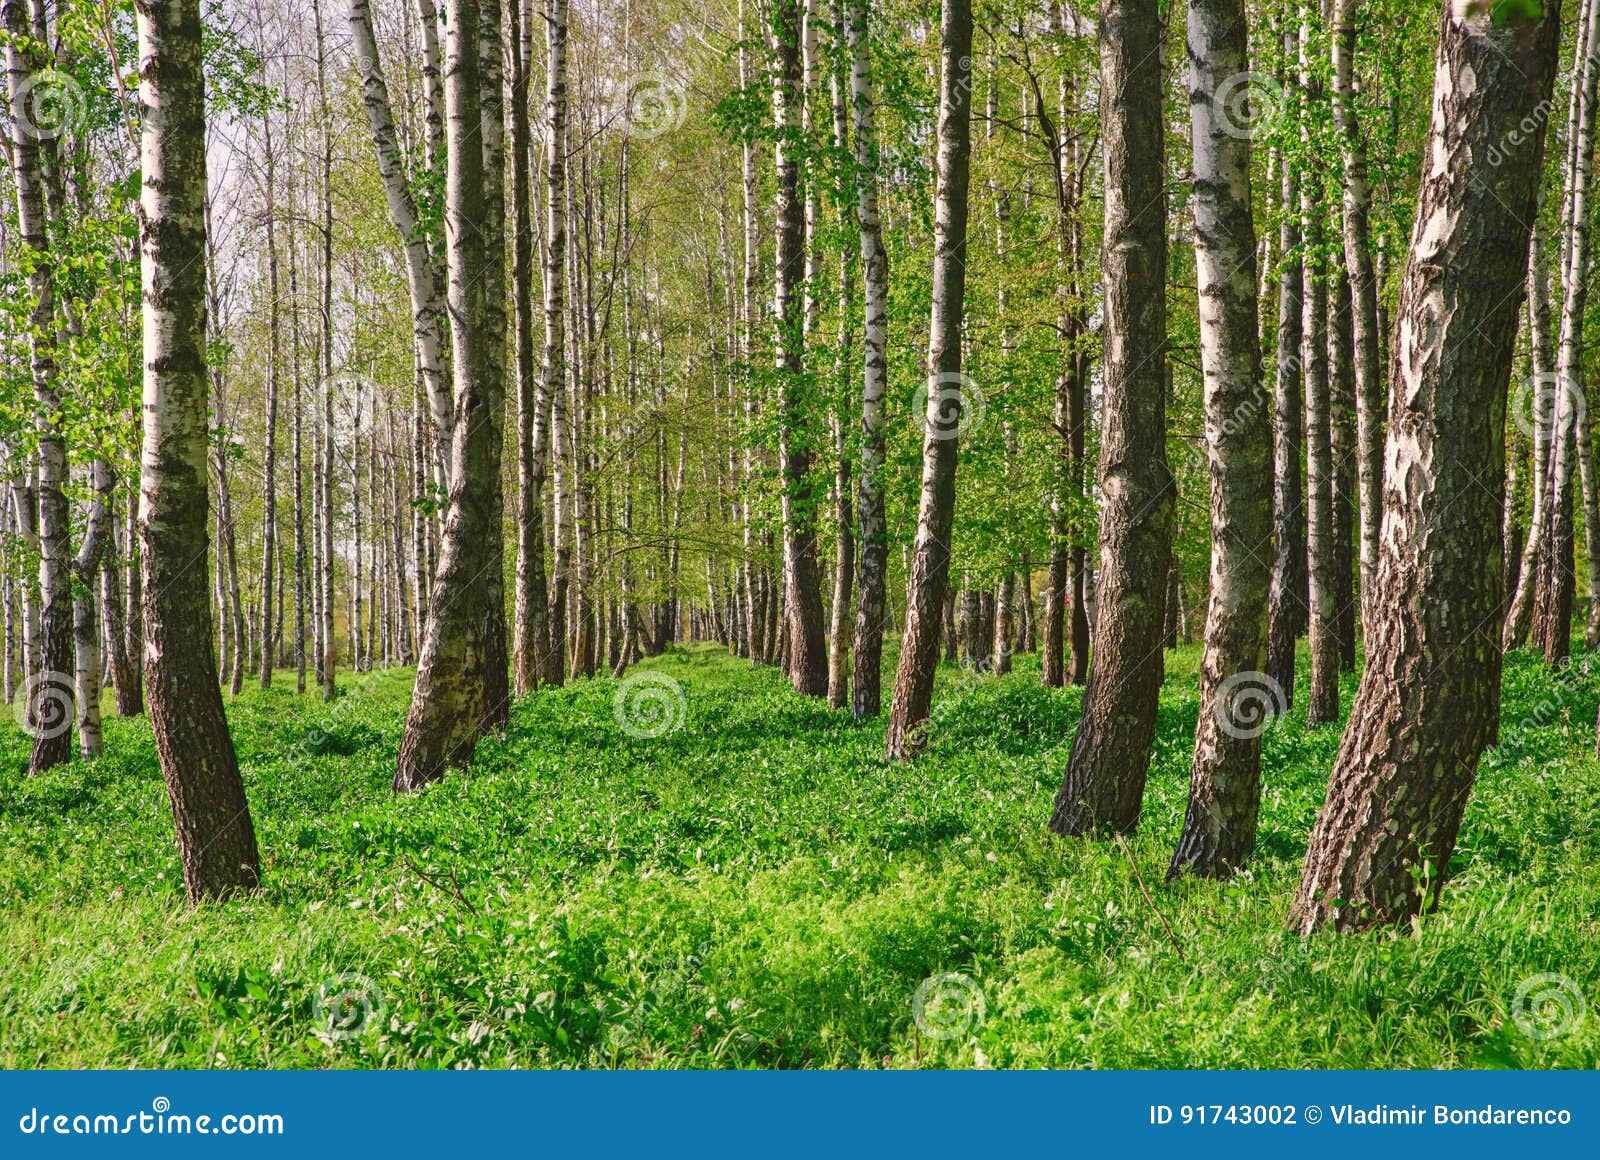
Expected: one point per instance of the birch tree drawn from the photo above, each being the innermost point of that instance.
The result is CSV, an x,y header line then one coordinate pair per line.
x,y
929,578
1428,699
1103,786
216,839
447,704
808,661
1225,778
51,683
872,558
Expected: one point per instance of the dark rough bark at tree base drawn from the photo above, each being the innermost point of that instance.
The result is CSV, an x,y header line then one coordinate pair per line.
x,y
216,839
1426,706
1110,758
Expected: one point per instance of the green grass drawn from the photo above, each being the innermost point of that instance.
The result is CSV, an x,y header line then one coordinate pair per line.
x,y
758,888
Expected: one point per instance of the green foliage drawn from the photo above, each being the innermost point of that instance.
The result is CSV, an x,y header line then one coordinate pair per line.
x,y
760,888
1505,11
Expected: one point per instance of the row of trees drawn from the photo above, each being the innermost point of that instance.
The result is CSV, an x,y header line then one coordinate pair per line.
x,y
629,312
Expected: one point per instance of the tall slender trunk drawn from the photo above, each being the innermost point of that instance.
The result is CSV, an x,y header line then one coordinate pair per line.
x,y
327,651
86,568
491,577
1286,611
269,490
553,372
50,685
532,592
297,446
1553,629
872,560
1323,705
1219,831
1104,782
426,308
1342,407
447,703
802,577
1428,698
231,601
839,641
1575,281
114,607
1542,404
930,561
1357,199
216,840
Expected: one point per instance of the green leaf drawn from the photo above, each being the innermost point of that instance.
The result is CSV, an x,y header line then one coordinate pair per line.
x,y
1505,11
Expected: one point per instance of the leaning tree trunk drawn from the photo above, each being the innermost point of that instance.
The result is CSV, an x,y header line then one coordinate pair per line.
x,y
50,686
216,839
1519,614
930,561
872,560
426,328
1219,832
1427,702
448,700
1110,757
808,659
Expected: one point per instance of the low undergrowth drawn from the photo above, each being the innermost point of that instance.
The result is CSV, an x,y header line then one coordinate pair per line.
x,y
755,886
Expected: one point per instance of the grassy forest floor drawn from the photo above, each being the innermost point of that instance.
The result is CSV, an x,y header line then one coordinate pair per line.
x,y
758,888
